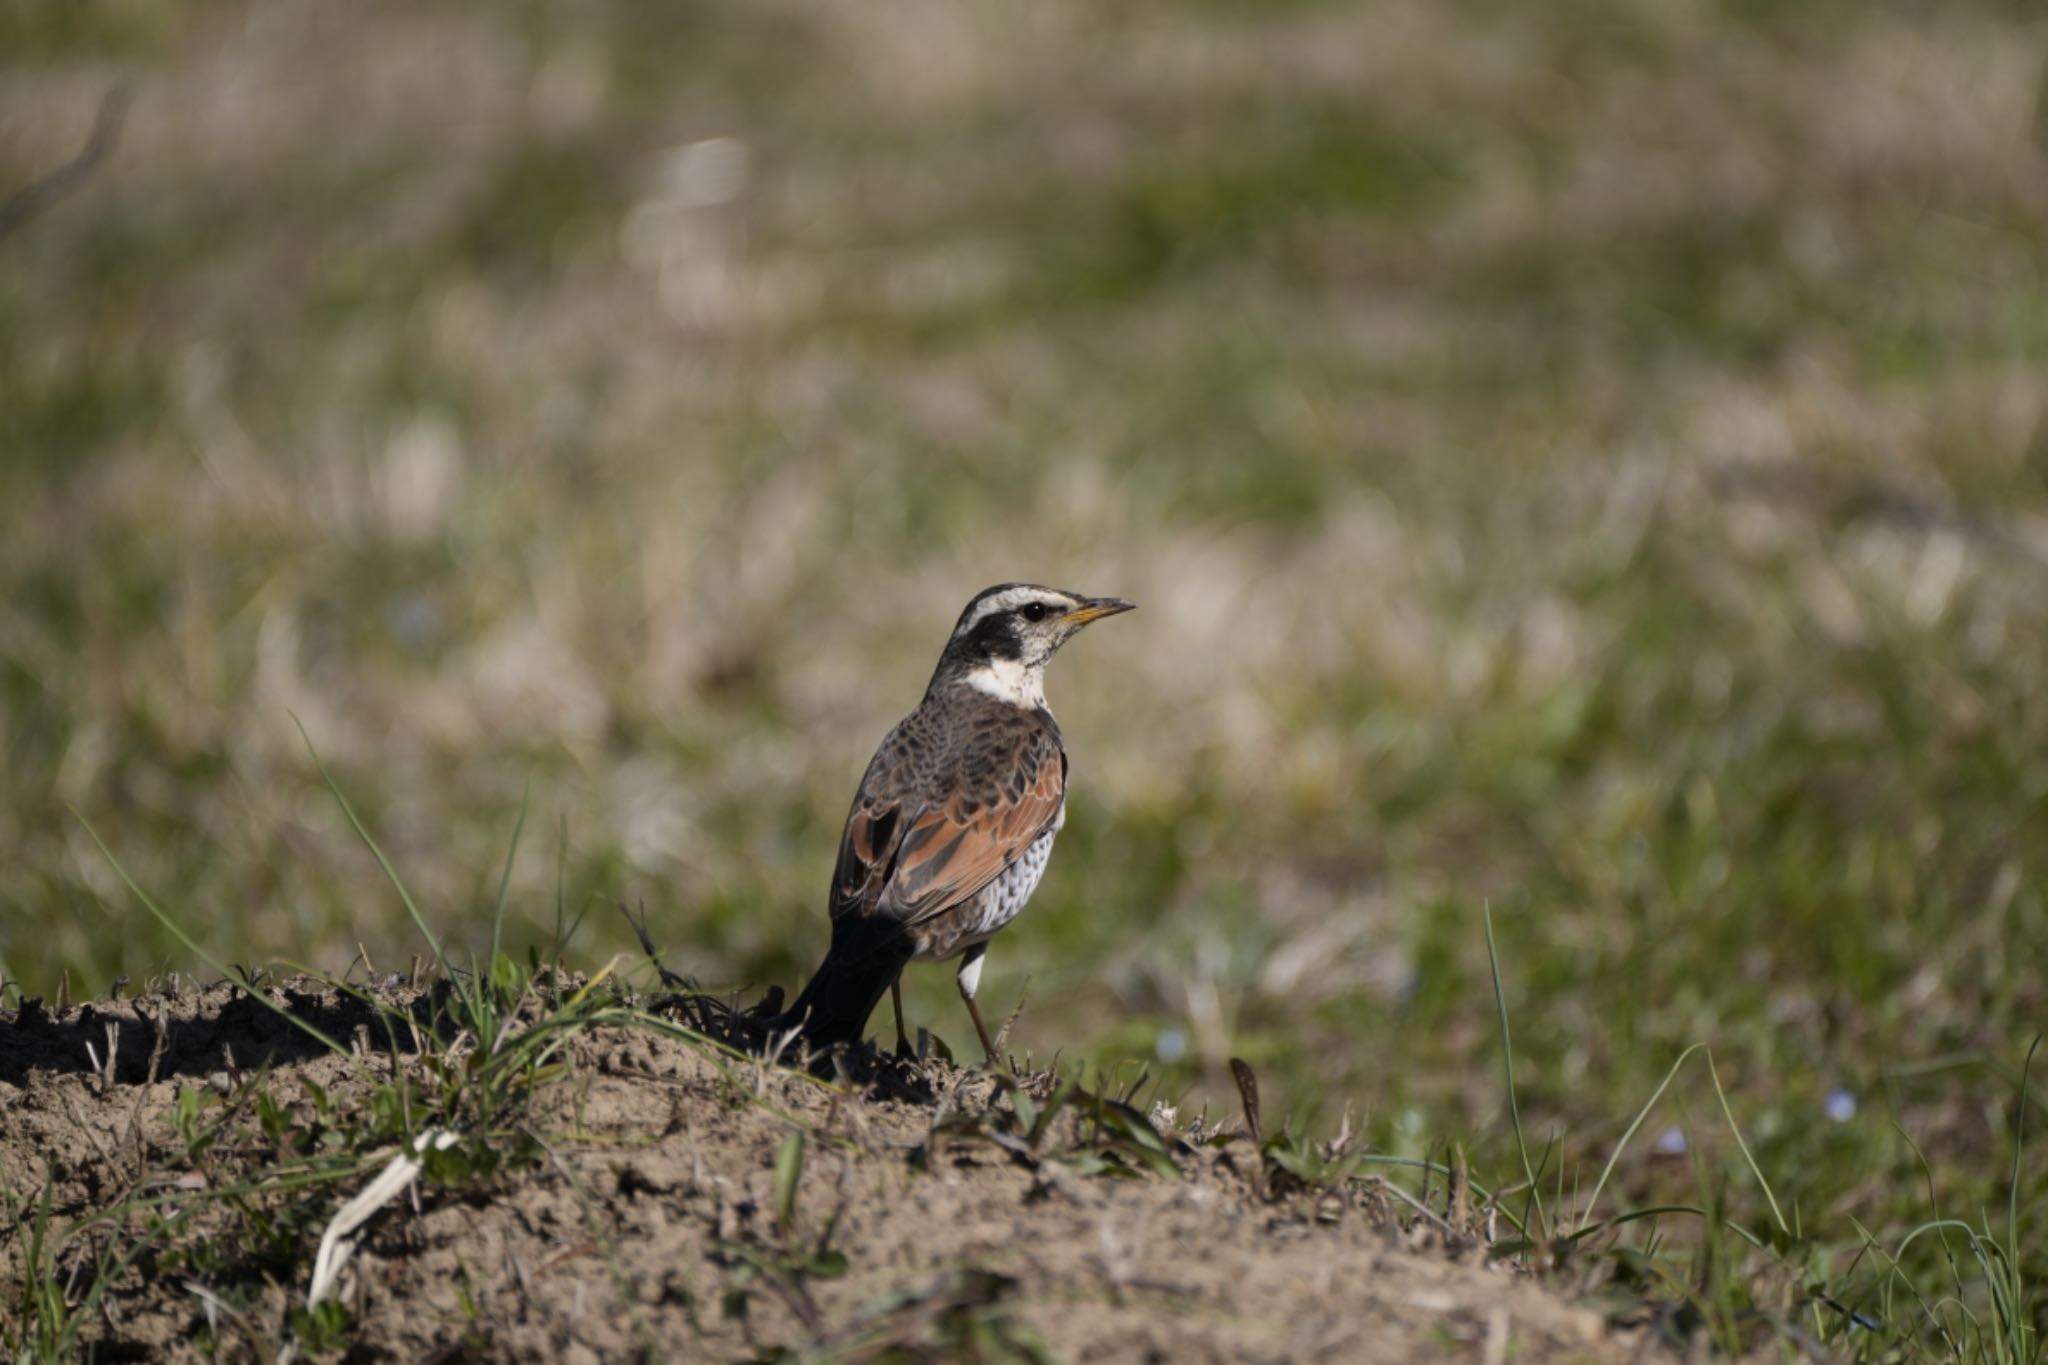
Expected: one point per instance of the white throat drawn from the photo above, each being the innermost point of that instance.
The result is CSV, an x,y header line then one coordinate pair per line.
x,y
1009,680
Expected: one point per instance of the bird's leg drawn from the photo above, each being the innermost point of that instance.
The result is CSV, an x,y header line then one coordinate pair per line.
x,y
896,999
970,981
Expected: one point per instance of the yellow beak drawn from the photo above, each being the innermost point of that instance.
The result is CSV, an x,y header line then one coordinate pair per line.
x,y
1096,608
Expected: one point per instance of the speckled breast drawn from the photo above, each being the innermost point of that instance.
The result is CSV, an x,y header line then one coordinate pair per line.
x,y
998,904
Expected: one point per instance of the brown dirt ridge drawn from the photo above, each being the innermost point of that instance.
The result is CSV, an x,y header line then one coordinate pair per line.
x,y
664,1196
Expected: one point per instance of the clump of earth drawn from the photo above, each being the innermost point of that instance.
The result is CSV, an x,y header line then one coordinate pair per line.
x,y
660,1194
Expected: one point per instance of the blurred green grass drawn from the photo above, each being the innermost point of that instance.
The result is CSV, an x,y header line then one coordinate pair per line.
x,y
1587,459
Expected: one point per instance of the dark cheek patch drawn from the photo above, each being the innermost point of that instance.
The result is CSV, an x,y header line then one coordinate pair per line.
x,y
998,639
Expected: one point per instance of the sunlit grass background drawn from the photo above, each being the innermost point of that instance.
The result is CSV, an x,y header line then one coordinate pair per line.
x,y
1586,458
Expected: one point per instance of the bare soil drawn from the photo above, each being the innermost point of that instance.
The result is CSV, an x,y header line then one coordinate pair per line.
x,y
645,1223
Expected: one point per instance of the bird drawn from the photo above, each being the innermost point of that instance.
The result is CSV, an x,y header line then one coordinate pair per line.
x,y
955,817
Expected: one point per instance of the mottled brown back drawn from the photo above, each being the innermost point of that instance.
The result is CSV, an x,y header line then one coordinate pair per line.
x,y
957,791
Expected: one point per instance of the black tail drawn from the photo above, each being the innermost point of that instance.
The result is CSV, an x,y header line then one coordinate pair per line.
x,y
865,957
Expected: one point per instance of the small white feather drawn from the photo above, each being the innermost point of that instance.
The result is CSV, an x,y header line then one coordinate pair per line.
x,y
1010,680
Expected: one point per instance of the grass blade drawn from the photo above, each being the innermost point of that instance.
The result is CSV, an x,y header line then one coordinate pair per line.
x,y
1507,1052
419,920
178,932
1641,1115
789,1174
2018,1321
505,881
1754,1169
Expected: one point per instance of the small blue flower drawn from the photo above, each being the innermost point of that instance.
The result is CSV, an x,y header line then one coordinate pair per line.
x,y
1670,1142
1840,1105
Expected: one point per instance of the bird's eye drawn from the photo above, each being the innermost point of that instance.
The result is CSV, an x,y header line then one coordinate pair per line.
x,y
1033,611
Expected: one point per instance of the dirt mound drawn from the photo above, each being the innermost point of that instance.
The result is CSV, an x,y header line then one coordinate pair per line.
x,y
657,1194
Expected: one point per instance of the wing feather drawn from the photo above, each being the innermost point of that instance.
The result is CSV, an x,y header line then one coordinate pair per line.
x,y
911,863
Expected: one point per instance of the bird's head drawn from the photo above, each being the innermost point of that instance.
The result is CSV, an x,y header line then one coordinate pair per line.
x,y
1008,633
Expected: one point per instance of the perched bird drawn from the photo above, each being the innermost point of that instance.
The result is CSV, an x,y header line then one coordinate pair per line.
x,y
955,818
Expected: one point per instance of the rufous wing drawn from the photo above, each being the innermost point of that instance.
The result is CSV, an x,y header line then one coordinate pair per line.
x,y
912,867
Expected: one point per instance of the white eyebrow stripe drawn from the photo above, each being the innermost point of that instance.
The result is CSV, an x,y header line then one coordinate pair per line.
x,y
1000,602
